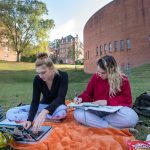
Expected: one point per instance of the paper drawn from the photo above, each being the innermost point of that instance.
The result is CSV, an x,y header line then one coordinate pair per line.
x,y
8,122
90,106
85,104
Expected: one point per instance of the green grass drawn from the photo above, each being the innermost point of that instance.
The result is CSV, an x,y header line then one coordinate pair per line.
x,y
140,82
16,84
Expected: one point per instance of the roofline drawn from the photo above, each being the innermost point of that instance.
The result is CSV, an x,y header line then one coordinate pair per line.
x,y
101,9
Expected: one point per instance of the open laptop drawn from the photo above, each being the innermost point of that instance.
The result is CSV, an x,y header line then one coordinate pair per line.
x,y
22,135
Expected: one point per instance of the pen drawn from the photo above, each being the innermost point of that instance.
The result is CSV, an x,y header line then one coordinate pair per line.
x,y
76,95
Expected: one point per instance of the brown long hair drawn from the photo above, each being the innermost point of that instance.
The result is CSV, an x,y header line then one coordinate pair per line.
x,y
115,76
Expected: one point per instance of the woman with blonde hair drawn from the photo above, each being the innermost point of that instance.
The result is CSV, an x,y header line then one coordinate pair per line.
x,y
108,86
53,85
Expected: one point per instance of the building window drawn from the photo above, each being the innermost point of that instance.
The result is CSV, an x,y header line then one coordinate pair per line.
x,y
66,61
149,39
85,55
66,52
121,44
66,40
110,47
71,41
115,45
105,48
128,44
100,49
88,55
96,51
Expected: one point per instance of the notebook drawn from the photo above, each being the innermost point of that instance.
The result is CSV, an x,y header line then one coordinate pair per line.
x,y
24,136
84,104
90,106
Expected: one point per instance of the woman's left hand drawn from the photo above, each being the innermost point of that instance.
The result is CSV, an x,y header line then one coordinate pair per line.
x,y
100,102
39,120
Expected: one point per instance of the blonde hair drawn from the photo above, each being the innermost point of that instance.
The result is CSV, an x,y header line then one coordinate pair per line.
x,y
115,76
43,59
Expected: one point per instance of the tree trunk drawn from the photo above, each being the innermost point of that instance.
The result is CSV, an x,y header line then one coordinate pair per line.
x,y
75,67
18,57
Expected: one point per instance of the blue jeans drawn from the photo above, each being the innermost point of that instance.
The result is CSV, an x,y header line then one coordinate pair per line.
x,y
123,118
21,113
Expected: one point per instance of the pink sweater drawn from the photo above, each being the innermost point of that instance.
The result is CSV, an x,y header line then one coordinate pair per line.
x,y
98,89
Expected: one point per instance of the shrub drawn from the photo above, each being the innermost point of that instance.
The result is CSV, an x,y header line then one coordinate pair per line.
x,y
28,58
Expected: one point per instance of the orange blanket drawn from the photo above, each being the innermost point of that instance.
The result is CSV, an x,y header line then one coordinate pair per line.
x,y
69,135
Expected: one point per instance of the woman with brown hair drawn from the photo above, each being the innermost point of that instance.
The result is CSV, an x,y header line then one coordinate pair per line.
x,y
108,86
53,85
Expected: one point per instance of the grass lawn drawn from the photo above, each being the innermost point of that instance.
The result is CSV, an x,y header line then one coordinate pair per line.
x,y
16,85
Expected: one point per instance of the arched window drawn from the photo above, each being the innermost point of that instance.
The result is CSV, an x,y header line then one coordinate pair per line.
x,y
96,51
110,47
115,45
121,44
100,50
105,48
149,39
88,55
128,44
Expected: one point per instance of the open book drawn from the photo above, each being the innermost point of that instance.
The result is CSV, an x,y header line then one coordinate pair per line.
x,y
91,106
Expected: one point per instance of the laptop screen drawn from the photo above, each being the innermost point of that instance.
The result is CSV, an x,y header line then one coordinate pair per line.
x,y
22,135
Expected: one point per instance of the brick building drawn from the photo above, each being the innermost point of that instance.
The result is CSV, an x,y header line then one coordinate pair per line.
x,y
67,50
6,53
122,29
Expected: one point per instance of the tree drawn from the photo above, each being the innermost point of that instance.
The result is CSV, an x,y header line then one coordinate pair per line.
x,y
54,49
23,24
33,50
74,53
71,53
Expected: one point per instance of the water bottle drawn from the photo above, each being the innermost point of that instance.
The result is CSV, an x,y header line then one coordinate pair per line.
x,y
148,138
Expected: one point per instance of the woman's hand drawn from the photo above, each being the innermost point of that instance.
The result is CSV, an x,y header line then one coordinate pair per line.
x,y
77,100
27,124
100,102
39,120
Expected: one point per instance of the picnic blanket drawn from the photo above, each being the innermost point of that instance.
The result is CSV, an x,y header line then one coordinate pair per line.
x,y
70,135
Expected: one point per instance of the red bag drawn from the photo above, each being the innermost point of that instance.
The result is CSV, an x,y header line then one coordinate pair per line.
x,y
139,145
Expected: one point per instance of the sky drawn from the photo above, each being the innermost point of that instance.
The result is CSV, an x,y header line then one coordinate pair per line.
x,y
70,16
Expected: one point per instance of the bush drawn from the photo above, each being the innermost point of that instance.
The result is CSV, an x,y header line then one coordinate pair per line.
x,y
61,61
54,60
79,62
28,58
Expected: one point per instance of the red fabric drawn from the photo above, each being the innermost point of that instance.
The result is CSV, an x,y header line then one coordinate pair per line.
x,y
98,89
70,135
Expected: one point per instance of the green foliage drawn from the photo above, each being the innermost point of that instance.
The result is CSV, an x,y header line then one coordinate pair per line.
x,y
71,53
31,58
74,55
22,24
79,62
55,44
41,47
29,55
